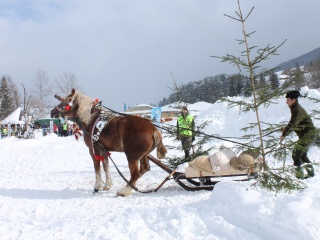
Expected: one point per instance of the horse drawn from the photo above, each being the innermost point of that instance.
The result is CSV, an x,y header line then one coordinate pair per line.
x,y
105,131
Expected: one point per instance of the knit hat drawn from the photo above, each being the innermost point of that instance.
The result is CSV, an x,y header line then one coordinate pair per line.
x,y
293,94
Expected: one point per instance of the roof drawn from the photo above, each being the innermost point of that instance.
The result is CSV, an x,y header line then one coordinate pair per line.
x,y
13,118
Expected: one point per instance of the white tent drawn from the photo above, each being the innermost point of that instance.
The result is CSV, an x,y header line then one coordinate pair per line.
x,y
13,118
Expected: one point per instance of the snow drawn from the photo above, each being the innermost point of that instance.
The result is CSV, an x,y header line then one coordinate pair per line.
x,y
46,193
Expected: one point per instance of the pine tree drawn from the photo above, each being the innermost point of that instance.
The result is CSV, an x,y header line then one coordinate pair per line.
x,y
274,81
273,179
6,106
262,81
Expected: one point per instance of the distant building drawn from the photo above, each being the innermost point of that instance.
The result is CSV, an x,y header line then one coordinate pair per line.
x,y
167,113
142,110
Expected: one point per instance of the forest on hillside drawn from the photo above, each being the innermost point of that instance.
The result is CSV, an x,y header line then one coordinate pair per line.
x,y
212,88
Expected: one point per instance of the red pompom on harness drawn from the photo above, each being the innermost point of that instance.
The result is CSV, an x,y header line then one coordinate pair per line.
x,y
101,158
77,133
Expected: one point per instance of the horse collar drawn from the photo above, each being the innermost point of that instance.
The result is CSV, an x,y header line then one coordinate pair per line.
x,y
101,122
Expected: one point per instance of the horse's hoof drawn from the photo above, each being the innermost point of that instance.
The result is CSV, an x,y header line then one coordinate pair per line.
x,y
106,188
95,191
120,195
124,192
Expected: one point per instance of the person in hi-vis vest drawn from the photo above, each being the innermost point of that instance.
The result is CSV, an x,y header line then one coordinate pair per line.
x,y
185,130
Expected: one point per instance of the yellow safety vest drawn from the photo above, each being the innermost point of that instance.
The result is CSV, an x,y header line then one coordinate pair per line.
x,y
185,125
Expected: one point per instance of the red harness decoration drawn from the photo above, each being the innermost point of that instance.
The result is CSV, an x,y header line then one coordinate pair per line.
x,y
100,157
77,133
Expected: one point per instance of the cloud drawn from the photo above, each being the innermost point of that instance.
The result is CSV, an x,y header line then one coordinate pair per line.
x,y
125,51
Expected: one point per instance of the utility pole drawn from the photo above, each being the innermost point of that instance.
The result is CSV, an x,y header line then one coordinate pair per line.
x,y
24,102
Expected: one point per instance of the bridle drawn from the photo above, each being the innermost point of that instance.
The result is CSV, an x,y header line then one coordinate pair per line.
x,y
66,105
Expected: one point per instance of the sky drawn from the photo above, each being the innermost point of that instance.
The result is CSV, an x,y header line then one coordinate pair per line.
x,y
46,192
132,51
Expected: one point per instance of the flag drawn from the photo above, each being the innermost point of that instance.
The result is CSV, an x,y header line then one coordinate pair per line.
x,y
156,114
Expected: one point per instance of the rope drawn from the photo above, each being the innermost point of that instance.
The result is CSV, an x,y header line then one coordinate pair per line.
x,y
197,132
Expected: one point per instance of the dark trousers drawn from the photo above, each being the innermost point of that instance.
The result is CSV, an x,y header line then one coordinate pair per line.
x,y
299,153
186,143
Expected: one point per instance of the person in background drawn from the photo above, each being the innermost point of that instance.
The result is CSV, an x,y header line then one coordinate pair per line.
x,y
301,123
69,130
55,128
185,130
64,130
5,131
44,129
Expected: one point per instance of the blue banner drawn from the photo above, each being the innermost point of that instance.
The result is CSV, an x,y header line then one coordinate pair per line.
x,y
124,107
156,114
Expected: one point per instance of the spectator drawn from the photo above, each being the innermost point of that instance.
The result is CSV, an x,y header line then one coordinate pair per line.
x,y
55,128
65,130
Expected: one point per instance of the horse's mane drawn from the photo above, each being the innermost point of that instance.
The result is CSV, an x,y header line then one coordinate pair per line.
x,y
84,107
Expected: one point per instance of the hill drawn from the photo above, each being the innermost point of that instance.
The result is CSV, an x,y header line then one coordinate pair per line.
x,y
303,60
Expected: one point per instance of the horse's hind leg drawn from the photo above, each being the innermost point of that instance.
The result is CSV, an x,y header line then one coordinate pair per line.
x,y
108,182
144,165
135,174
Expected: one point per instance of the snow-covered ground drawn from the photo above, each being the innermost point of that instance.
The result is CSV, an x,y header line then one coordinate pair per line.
x,y
46,193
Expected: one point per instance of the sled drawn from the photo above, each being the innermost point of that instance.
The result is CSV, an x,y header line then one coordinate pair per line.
x,y
196,179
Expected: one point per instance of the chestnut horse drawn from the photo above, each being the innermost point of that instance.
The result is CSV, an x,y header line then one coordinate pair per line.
x,y
104,132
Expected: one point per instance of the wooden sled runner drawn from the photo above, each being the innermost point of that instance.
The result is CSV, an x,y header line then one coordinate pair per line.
x,y
195,179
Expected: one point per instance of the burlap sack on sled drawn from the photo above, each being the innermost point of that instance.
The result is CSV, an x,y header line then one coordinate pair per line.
x,y
241,162
201,163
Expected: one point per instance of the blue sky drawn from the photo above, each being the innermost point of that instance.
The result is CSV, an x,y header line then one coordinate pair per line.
x,y
125,51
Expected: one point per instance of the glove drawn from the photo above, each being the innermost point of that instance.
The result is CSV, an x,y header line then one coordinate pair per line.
x,y
193,138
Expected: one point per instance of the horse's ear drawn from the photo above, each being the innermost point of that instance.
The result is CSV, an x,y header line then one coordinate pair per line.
x,y
58,97
73,91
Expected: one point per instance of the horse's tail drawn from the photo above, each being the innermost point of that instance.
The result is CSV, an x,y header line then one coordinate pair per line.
x,y
161,149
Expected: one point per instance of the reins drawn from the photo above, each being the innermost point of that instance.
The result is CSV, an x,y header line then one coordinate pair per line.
x,y
197,132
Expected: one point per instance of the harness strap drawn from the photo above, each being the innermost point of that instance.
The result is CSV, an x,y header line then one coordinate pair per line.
x,y
135,188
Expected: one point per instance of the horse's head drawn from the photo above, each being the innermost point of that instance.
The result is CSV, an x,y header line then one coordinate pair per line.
x,y
68,106
74,105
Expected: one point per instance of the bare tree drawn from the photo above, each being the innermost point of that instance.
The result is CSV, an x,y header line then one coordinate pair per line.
x,y
66,82
41,92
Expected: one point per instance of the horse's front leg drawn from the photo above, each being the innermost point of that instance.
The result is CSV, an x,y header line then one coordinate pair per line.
x,y
98,184
108,183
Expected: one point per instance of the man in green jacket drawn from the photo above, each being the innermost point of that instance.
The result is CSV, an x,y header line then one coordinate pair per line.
x,y
185,130
301,123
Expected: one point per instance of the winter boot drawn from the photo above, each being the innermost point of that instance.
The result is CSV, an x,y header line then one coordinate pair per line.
x,y
309,169
299,172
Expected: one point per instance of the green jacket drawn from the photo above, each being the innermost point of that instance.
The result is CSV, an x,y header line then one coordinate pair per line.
x,y
300,122
185,125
